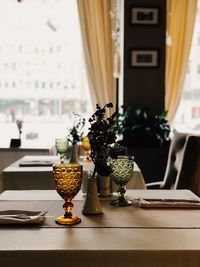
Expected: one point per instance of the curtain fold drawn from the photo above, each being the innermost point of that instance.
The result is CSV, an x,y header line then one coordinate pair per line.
x,y
96,30
181,16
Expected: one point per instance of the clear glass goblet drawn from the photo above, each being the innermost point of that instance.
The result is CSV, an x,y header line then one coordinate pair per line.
x,y
86,146
67,179
122,171
61,147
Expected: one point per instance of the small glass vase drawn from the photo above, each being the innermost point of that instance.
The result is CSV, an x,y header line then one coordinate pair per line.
x,y
74,157
104,186
92,203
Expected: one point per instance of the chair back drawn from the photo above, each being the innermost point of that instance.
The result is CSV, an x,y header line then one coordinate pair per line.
x,y
174,161
189,174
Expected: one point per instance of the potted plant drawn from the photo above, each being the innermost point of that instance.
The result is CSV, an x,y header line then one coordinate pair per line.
x,y
146,137
75,136
102,136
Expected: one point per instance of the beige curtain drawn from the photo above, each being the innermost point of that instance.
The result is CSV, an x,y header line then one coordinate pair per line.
x,y
180,24
96,29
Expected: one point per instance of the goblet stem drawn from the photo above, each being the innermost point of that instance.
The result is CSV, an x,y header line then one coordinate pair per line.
x,y
62,158
121,191
121,201
68,208
87,158
68,217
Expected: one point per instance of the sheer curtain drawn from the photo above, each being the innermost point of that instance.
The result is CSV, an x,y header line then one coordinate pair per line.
x,y
180,24
96,30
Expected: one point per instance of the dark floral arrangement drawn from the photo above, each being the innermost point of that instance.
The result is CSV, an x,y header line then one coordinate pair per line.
x,y
77,130
102,137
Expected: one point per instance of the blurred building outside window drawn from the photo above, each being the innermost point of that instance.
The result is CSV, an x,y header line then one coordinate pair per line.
x,y
42,74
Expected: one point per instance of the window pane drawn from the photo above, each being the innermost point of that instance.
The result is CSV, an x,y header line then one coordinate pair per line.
x,y
42,78
188,113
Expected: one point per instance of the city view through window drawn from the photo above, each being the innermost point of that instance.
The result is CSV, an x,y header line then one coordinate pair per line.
x,y
188,114
42,79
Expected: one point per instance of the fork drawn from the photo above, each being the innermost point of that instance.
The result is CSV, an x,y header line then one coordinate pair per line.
x,y
17,216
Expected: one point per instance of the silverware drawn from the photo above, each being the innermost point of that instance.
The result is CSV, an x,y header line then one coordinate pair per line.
x,y
168,200
22,216
15,216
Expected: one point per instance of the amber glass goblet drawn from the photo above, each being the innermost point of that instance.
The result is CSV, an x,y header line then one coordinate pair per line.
x,y
122,171
86,146
67,179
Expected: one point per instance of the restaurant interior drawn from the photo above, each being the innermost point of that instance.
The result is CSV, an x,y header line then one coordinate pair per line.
x,y
121,187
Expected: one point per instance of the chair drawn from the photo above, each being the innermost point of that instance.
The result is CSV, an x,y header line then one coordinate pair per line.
x,y
189,173
175,158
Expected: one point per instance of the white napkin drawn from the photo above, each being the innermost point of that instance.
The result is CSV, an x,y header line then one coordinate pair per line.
x,y
142,203
22,217
35,163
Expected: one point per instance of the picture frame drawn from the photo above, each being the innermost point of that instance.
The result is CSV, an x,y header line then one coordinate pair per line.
x,y
144,58
145,16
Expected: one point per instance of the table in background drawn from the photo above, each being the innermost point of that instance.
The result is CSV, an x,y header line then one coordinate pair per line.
x,y
9,155
19,178
99,246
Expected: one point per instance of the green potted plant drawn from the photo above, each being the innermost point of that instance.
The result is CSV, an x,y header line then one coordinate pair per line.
x,y
146,137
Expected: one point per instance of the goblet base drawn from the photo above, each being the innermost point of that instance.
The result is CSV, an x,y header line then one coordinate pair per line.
x,y
87,160
87,157
121,202
68,221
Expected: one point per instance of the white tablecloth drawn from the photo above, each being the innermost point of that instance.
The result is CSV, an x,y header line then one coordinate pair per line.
x,y
10,155
19,178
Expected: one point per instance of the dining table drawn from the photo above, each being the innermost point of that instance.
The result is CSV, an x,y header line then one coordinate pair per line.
x,y
8,155
35,172
165,234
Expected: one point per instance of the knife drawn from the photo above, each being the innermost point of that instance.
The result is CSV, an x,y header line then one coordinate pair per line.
x,y
169,200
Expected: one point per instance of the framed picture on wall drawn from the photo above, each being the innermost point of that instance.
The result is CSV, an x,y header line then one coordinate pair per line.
x,y
144,58
145,16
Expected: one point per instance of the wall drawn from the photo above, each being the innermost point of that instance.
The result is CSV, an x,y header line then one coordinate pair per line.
x,y
144,87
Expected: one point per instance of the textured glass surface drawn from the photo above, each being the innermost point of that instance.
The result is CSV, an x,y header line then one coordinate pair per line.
x,y
122,169
61,147
67,178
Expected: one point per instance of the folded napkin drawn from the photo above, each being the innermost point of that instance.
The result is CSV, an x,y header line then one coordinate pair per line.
x,y
35,163
179,203
22,217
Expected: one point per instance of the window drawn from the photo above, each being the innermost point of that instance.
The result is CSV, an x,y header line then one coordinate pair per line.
x,y
195,112
188,113
188,68
42,78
